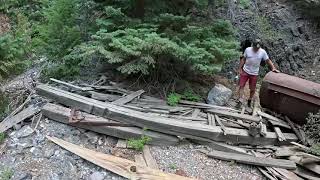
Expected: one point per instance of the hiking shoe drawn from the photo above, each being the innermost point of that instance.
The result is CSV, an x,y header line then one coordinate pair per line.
x,y
239,104
249,103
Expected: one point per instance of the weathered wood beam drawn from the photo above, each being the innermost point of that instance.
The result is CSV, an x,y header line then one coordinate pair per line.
x,y
19,117
120,166
234,115
248,159
128,98
61,114
157,123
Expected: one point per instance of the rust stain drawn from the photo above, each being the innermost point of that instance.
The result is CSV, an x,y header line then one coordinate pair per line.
x,y
289,95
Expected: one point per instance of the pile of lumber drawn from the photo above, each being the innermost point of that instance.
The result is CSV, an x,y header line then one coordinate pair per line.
x,y
254,137
124,114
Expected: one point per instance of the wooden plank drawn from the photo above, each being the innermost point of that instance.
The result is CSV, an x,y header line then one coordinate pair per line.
x,y
211,120
219,146
306,174
121,144
303,147
74,87
234,115
104,97
128,98
295,130
287,174
248,159
157,123
205,106
195,113
61,114
314,167
279,133
266,174
138,158
274,120
19,117
120,166
263,129
150,161
220,124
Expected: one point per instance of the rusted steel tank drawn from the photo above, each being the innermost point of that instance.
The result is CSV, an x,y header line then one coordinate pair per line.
x,y
290,96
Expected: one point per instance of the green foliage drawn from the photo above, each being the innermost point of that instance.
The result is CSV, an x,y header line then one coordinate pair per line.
x,y
14,48
164,42
245,4
312,127
265,28
315,149
60,32
6,174
191,96
173,99
138,144
2,137
173,166
4,103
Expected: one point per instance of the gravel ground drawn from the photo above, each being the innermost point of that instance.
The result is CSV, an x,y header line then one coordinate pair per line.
x,y
185,158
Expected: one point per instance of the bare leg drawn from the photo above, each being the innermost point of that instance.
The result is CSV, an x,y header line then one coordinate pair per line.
x,y
252,92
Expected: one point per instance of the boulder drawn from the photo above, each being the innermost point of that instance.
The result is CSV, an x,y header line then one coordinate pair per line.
x,y
219,95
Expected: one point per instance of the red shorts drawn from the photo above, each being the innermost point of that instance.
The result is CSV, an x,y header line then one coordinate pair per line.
x,y
244,77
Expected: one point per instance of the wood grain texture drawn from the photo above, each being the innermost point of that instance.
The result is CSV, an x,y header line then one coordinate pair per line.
x,y
61,114
128,98
243,117
150,161
248,159
160,124
120,166
19,117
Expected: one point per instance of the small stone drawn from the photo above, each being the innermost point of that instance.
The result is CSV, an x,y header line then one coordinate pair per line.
x,y
96,176
219,95
25,131
22,176
92,137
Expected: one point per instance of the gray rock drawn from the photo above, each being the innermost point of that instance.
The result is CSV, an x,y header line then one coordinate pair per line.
x,y
96,176
25,131
22,176
219,95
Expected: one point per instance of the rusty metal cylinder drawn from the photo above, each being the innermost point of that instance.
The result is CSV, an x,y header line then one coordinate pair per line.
x,y
290,96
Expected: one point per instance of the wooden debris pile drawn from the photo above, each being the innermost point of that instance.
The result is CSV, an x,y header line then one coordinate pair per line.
x,y
260,137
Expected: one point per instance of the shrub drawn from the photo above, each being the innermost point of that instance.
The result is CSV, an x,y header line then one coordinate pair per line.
x,y
14,48
173,99
312,127
164,43
138,144
4,103
6,174
2,137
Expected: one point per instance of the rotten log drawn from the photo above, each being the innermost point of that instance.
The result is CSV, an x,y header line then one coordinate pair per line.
x,y
157,123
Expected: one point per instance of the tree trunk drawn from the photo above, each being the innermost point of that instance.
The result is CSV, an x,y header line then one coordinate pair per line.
x,y
139,8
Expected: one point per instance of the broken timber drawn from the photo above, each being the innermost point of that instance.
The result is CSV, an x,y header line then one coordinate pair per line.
x,y
24,114
157,123
248,159
128,98
234,115
120,166
61,114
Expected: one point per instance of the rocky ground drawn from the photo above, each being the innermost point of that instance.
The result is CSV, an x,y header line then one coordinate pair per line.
x,y
29,155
